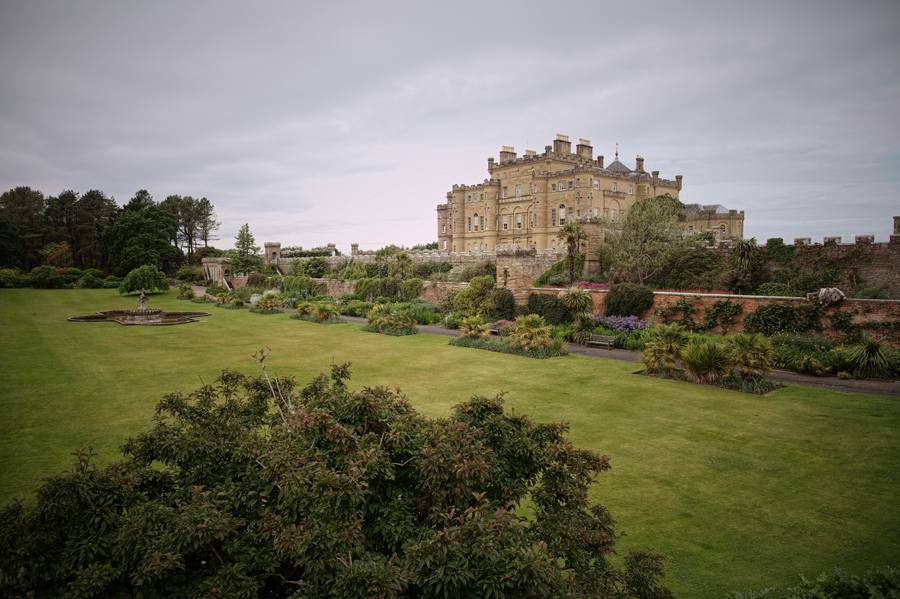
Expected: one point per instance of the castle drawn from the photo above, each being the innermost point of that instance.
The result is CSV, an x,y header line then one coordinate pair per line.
x,y
526,200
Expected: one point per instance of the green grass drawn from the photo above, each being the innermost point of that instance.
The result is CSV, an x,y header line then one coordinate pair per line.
x,y
741,491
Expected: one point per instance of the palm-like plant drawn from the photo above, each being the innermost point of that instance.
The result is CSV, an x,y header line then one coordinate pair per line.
x,y
401,264
745,252
577,299
665,347
305,308
325,310
751,353
705,361
531,332
269,303
870,359
572,233
474,327
386,315
378,313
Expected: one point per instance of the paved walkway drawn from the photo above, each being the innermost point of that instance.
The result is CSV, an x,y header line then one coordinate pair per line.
x,y
877,387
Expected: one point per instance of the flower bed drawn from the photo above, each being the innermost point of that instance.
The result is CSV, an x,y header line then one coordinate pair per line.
x,y
503,346
386,330
311,318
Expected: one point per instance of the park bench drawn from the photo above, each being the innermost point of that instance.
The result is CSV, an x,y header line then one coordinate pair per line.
x,y
603,341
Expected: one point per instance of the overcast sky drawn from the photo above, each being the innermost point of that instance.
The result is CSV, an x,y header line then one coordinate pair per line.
x,y
348,122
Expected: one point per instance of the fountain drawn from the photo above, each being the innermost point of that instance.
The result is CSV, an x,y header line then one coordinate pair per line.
x,y
142,316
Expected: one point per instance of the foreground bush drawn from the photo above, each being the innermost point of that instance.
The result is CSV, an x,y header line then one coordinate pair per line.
x,y
628,299
258,488
881,583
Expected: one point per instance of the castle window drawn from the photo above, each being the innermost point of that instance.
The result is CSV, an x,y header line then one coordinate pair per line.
x,y
519,220
505,222
596,184
443,228
612,215
571,184
482,197
562,215
553,187
613,186
445,244
470,224
630,189
505,192
553,217
470,199
570,213
518,190
562,185
476,223
690,229
534,220
596,212
468,247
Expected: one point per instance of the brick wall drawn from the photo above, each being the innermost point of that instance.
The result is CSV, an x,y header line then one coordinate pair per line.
x,y
434,293
863,311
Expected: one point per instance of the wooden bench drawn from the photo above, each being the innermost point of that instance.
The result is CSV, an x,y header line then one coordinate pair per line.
x,y
494,331
603,341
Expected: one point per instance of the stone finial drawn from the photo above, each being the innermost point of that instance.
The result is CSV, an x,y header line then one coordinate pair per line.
x,y
354,249
639,164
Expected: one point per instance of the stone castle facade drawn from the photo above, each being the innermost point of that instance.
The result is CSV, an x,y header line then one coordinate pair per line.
x,y
526,200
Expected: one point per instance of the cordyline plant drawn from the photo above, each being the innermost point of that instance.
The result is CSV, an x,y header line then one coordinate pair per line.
x,y
259,488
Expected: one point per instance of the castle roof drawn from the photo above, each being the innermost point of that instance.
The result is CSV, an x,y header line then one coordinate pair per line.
x,y
694,208
617,167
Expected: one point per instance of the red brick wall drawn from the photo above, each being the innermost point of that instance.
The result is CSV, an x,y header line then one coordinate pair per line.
x,y
431,292
861,310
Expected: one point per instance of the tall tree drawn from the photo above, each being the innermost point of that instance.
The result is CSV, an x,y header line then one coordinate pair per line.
x,y
140,201
140,237
62,217
10,250
207,225
24,207
246,253
572,233
94,211
647,237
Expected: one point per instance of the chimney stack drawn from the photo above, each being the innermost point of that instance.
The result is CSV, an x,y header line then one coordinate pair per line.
x,y
584,149
600,161
639,164
562,145
507,154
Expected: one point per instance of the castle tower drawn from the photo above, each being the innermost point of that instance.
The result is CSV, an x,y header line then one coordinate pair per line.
x,y
273,252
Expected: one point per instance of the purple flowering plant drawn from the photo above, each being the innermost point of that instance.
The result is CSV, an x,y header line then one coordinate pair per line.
x,y
589,285
623,324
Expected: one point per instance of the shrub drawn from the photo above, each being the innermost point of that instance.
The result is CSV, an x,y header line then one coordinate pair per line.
x,y
479,269
72,275
11,279
502,345
751,354
452,321
454,273
410,289
190,272
883,582
256,279
475,298
667,341
269,304
502,304
878,293
45,277
705,361
870,359
531,332
773,319
776,289
550,308
356,308
474,326
628,299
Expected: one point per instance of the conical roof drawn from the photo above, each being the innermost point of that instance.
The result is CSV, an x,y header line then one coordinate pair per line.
x,y
617,167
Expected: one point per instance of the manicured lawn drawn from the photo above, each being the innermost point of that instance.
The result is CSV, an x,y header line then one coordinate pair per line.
x,y
741,491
